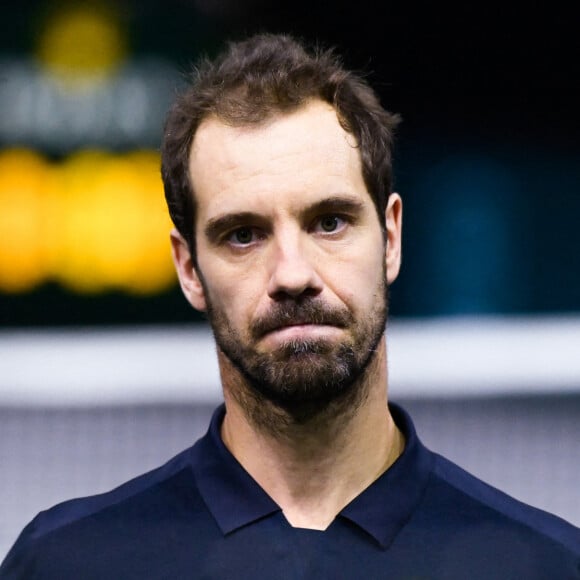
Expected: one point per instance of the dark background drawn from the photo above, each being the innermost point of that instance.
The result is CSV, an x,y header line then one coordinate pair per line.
x,y
486,159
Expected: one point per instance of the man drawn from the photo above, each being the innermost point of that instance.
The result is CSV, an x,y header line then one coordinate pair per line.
x,y
277,172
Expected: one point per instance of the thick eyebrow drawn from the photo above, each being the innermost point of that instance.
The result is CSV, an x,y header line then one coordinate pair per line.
x,y
216,226
335,204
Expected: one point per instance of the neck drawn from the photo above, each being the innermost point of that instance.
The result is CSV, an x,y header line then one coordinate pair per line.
x,y
312,463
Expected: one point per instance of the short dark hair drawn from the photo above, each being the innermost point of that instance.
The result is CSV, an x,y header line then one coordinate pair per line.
x,y
255,79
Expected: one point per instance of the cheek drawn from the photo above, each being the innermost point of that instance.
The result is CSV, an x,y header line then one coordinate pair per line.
x,y
235,294
370,282
359,277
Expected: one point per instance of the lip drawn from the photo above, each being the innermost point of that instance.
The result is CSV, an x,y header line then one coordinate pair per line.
x,y
299,324
301,330
307,322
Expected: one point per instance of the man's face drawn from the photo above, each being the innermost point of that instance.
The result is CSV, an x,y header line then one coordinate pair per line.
x,y
292,267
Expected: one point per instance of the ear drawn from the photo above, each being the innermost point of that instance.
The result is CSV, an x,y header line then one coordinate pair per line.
x,y
188,277
394,225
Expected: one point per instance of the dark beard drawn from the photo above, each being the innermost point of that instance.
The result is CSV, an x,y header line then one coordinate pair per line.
x,y
303,377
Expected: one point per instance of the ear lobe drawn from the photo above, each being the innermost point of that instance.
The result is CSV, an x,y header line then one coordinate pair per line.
x,y
394,227
189,280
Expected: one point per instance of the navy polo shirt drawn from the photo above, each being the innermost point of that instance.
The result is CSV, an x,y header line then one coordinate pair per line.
x,y
201,515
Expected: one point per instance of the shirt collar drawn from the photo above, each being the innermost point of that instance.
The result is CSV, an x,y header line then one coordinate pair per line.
x,y
384,507
231,494
235,499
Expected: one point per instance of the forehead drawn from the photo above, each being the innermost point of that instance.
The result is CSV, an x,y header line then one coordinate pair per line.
x,y
291,158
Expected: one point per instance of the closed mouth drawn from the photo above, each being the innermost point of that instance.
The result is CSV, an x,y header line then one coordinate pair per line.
x,y
306,316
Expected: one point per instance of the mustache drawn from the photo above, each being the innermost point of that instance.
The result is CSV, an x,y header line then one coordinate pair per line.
x,y
293,313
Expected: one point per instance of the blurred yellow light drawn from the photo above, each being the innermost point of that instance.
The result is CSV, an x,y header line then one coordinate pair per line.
x,y
25,189
79,267
95,222
82,42
148,240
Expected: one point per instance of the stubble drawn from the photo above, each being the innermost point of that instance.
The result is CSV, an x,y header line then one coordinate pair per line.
x,y
299,381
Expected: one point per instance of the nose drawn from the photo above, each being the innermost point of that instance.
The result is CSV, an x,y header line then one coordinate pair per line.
x,y
292,269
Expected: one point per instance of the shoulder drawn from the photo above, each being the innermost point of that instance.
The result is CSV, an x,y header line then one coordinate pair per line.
x,y
87,524
131,491
470,497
